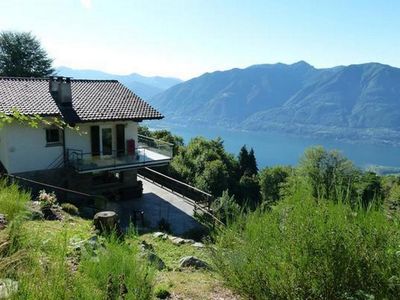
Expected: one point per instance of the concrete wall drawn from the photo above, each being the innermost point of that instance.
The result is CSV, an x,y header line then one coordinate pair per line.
x,y
24,149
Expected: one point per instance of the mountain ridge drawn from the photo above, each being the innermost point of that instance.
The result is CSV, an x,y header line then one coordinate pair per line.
x,y
356,101
144,86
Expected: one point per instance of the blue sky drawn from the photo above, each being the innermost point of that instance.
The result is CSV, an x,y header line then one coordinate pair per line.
x,y
185,38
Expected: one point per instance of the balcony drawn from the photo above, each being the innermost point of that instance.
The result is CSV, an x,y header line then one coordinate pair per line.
x,y
148,153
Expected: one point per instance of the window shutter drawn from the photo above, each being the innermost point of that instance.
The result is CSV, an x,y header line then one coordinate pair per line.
x,y
95,139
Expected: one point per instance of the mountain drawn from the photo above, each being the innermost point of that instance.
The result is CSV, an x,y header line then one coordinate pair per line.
x,y
346,102
143,86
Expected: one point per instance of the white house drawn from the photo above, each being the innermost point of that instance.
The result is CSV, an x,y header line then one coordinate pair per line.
x,y
105,145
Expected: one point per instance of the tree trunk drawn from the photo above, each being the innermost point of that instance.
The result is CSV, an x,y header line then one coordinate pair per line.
x,y
107,222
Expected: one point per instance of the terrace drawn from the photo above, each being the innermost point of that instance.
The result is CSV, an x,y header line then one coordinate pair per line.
x,y
148,153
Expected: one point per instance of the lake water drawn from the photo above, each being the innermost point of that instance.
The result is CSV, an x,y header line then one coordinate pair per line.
x,y
274,149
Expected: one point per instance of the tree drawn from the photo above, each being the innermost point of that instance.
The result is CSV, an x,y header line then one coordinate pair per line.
x,y
249,191
330,174
167,136
163,135
272,180
247,162
225,208
214,178
206,165
21,55
370,188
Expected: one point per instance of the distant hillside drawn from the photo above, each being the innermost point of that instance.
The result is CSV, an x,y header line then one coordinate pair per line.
x,y
346,102
145,87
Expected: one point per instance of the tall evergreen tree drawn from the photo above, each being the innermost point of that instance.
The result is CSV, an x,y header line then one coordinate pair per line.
x,y
252,167
247,162
243,158
21,55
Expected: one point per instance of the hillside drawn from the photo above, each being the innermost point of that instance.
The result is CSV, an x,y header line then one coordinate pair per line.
x,y
144,86
348,102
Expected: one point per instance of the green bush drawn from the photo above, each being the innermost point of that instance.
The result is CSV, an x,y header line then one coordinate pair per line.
x,y
305,249
70,208
119,263
162,293
13,200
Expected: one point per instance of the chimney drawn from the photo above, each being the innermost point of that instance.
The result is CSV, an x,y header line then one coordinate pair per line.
x,y
60,89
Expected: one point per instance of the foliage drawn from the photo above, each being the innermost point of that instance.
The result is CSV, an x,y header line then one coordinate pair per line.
x,y
21,55
309,249
49,251
272,181
70,208
47,199
249,191
370,188
117,265
13,200
206,165
162,292
247,162
329,173
34,121
225,208
214,177
163,135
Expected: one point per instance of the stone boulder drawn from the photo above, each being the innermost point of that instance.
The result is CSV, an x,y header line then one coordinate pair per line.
x,y
177,240
160,235
144,246
35,213
192,262
149,254
198,245
155,261
8,288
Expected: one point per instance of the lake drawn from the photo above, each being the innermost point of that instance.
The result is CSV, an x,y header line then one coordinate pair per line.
x,y
277,149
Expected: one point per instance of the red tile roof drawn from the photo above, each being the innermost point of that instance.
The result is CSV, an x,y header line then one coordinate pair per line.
x,y
92,100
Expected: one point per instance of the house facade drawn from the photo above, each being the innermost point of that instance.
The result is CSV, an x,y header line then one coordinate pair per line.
x,y
97,143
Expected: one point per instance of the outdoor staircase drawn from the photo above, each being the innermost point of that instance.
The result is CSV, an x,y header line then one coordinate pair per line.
x,y
57,163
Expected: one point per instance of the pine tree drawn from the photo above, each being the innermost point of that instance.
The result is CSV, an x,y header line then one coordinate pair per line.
x,y
243,158
252,167
247,162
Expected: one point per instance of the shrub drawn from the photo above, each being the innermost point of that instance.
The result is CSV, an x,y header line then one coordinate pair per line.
x,y
118,264
305,249
162,293
70,208
12,200
225,208
47,199
329,173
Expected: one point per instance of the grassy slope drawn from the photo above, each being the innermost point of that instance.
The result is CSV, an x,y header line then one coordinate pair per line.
x,y
186,284
48,244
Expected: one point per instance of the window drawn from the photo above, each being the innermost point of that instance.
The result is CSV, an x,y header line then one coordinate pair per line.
x,y
53,136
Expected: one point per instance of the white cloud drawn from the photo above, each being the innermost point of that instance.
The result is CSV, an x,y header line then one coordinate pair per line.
x,y
86,4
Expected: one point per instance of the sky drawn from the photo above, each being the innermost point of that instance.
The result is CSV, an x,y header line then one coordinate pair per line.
x,y
185,38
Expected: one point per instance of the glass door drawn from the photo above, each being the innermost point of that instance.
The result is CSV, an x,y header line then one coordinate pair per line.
x,y
106,141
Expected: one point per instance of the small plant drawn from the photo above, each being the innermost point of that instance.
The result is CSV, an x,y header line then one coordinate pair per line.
x,y
162,293
13,200
70,208
47,200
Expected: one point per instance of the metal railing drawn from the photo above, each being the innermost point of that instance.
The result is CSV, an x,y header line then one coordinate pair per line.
x,y
186,190
112,160
158,146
